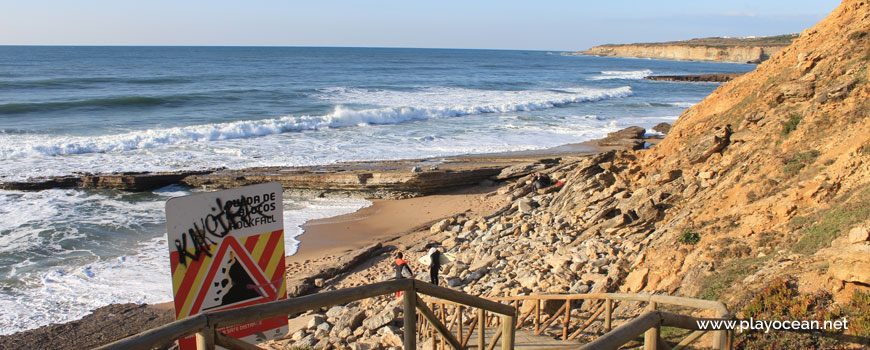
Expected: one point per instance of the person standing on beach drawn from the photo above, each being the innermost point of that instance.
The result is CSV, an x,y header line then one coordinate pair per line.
x,y
402,270
434,264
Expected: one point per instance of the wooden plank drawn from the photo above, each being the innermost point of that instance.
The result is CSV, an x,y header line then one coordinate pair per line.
x,y
689,340
508,332
433,319
524,317
651,336
205,339
460,325
588,322
309,302
495,338
231,343
159,336
409,301
567,321
481,328
625,332
462,298
470,332
550,320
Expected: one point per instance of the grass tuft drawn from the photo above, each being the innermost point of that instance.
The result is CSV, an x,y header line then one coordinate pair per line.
x,y
791,124
689,237
824,226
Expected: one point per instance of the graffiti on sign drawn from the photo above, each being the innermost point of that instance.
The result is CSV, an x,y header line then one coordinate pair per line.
x,y
226,250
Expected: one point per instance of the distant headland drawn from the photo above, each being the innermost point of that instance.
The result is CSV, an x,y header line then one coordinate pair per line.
x,y
716,49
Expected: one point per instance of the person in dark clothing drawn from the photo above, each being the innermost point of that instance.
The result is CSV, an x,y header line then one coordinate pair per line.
x,y
402,268
541,181
434,265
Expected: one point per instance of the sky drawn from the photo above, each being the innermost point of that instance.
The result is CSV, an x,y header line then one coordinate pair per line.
x,y
485,24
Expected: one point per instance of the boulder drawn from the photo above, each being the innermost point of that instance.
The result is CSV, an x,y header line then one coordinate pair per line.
x,y
315,321
335,312
351,319
796,91
851,264
636,280
713,143
663,128
439,226
859,234
837,91
525,205
306,342
519,170
385,317
390,336
633,132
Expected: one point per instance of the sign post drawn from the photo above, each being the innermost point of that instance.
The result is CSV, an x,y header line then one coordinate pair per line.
x,y
226,250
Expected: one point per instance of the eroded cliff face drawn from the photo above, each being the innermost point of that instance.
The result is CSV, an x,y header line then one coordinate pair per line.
x,y
770,173
741,54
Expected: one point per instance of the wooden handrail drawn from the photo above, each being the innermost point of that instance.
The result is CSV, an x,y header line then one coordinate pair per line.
x,y
646,321
161,335
292,306
721,338
205,325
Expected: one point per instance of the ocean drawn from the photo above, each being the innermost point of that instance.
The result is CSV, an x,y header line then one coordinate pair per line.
x,y
66,110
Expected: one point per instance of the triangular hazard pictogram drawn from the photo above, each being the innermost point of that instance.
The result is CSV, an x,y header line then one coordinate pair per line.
x,y
234,279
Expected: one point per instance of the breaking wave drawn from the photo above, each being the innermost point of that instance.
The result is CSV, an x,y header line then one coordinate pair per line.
x,y
618,74
29,145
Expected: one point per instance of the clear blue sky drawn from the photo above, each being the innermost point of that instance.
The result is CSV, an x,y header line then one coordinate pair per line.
x,y
537,25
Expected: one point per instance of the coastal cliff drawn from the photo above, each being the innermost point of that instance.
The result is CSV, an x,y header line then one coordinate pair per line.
x,y
759,197
752,50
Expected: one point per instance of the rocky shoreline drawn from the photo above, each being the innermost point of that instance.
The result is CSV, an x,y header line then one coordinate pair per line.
x,y
378,179
366,179
716,78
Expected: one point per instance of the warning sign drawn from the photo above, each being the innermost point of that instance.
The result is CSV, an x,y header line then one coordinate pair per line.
x,y
226,250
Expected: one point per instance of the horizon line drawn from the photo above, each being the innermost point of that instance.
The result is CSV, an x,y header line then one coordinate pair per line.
x,y
281,46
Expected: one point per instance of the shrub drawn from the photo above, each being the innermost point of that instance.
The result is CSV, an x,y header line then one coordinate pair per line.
x,y
780,301
791,124
857,35
689,237
857,311
799,161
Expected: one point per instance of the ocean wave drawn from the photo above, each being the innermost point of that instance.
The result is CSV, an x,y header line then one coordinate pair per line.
x,y
86,82
450,97
619,74
125,101
18,146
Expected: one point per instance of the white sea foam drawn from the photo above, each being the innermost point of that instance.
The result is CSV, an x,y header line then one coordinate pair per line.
x,y
619,74
438,106
89,274
297,212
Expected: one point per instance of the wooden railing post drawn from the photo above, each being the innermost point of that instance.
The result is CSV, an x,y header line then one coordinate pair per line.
x,y
567,319
481,329
608,314
508,331
651,337
205,338
409,305
722,339
460,322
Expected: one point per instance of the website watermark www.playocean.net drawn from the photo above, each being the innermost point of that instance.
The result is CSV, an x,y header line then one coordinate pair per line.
x,y
759,325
